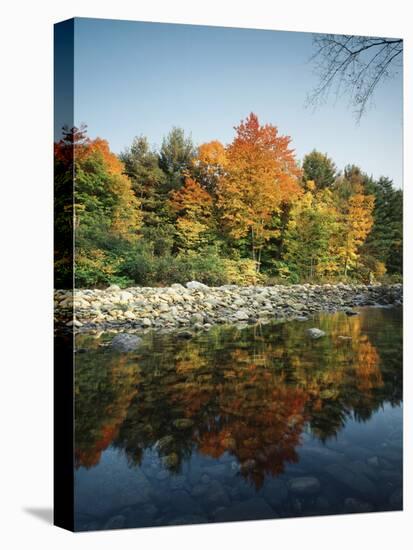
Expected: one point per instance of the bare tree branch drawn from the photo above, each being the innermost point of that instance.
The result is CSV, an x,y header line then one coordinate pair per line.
x,y
354,65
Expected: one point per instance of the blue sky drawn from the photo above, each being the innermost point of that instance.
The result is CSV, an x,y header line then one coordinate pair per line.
x,y
136,78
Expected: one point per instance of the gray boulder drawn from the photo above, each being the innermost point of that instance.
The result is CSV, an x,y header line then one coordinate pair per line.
x,y
196,318
315,333
126,342
177,286
196,285
241,315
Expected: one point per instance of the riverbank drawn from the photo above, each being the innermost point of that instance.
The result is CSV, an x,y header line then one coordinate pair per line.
x,y
198,307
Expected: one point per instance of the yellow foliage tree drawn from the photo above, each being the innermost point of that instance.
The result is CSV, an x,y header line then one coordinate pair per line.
x,y
357,224
193,204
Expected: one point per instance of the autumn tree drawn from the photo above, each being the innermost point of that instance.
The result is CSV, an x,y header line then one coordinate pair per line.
x,y
107,214
261,175
193,206
209,165
357,224
313,227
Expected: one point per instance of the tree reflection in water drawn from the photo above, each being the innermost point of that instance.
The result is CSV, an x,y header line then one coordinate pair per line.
x,y
250,393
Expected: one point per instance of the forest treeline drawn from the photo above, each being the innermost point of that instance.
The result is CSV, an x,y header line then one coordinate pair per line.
x,y
245,213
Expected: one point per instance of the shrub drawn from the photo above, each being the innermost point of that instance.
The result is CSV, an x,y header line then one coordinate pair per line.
x,y
205,266
94,268
241,272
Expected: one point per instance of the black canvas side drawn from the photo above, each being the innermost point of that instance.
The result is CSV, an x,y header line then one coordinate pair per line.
x,y
63,277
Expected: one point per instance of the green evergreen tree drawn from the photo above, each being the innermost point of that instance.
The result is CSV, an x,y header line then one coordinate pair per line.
x,y
176,155
318,167
385,242
148,180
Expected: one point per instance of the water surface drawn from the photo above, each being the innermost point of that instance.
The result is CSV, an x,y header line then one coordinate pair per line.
x,y
251,423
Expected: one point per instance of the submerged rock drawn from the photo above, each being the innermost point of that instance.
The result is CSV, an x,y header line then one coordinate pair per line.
x,y
351,312
315,333
126,342
306,485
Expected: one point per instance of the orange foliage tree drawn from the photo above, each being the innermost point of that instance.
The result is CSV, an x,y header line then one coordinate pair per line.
x,y
261,175
209,164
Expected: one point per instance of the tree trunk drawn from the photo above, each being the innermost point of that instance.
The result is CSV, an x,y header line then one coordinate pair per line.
x,y
259,260
253,248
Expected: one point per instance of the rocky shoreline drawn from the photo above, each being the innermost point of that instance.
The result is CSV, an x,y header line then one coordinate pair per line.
x,y
196,306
